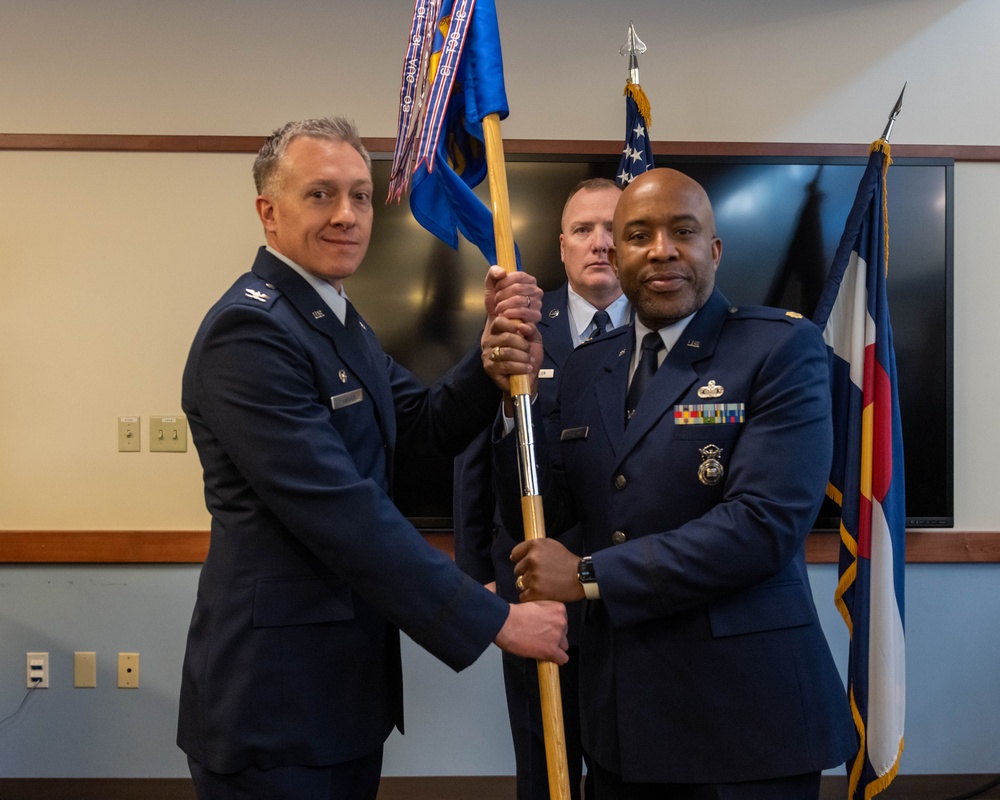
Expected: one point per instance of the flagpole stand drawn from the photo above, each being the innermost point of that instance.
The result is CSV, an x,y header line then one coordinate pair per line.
x,y
531,501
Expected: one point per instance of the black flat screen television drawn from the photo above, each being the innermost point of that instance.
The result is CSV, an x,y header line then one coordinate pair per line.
x,y
780,220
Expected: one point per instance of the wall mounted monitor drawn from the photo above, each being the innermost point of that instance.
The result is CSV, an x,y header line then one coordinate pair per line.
x,y
780,220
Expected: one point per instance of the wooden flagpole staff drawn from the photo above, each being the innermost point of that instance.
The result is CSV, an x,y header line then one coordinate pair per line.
x,y
531,501
424,100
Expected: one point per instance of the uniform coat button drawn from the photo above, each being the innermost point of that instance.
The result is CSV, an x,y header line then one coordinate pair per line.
x,y
618,537
620,482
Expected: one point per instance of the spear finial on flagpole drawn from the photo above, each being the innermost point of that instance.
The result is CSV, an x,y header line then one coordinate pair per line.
x,y
633,48
892,116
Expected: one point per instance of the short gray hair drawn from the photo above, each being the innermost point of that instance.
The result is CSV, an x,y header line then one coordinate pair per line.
x,y
331,129
591,185
588,185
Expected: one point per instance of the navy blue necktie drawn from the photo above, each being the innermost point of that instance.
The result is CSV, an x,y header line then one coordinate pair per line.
x,y
600,323
652,343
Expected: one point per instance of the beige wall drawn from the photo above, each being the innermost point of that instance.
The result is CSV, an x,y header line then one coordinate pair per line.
x,y
716,70
108,261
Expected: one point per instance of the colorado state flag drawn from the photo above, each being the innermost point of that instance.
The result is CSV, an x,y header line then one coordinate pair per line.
x,y
866,480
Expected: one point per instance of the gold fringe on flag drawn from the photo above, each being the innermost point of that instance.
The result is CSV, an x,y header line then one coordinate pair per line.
x,y
634,90
883,146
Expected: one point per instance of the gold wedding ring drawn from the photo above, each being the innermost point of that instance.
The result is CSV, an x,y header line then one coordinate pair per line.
x,y
519,583
495,353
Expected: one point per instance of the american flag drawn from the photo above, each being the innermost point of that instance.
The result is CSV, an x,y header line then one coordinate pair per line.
x,y
637,156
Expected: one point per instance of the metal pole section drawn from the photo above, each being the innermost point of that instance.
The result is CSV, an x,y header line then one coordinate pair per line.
x,y
526,447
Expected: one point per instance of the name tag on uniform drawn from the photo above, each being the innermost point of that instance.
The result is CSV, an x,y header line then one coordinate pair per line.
x,y
546,373
347,399
568,434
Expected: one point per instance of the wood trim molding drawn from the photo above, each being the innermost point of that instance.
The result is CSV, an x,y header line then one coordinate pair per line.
x,y
190,547
93,547
159,143
922,547
450,787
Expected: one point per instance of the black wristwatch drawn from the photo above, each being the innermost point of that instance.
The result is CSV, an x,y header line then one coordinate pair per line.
x,y
585,570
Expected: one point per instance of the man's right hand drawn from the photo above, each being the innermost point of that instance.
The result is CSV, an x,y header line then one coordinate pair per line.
x,y
536,630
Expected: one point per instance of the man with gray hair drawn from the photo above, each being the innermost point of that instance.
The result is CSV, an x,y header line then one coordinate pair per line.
x,y
292,678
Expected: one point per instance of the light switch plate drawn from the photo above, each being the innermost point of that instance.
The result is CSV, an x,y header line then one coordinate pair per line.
x,y
129,438
168,434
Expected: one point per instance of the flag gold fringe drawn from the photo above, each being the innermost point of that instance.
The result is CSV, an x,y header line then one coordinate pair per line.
x,y
845,583
881,783
859,759
634,90
883,146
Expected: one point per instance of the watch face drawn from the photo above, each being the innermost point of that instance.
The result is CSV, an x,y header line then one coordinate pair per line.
x,y
585,570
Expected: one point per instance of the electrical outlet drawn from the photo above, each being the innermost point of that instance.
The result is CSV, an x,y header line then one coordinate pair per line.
x,y
128,670
38,670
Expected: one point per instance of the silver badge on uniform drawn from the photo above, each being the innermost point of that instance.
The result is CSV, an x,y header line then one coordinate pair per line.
x,y
342,374
711,470
711,390
318,314
253,294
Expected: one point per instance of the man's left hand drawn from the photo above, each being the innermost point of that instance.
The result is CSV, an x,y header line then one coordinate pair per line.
x,y
511,344
546,570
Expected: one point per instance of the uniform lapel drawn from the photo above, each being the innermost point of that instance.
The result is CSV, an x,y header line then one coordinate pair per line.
x,y
377,380
611,384
360,357
675,376
557,339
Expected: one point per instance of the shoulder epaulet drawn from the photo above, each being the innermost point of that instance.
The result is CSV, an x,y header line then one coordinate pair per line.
x,y
612,334
257,292
764,312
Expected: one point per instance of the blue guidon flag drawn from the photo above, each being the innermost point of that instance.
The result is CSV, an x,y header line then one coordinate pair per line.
x,y
637,155
867,480
452,79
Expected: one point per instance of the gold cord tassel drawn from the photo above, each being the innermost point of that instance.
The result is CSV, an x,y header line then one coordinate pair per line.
x,y
634,90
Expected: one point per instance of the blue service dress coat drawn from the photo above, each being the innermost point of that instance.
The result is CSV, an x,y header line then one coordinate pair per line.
x,y
704,660
293,651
